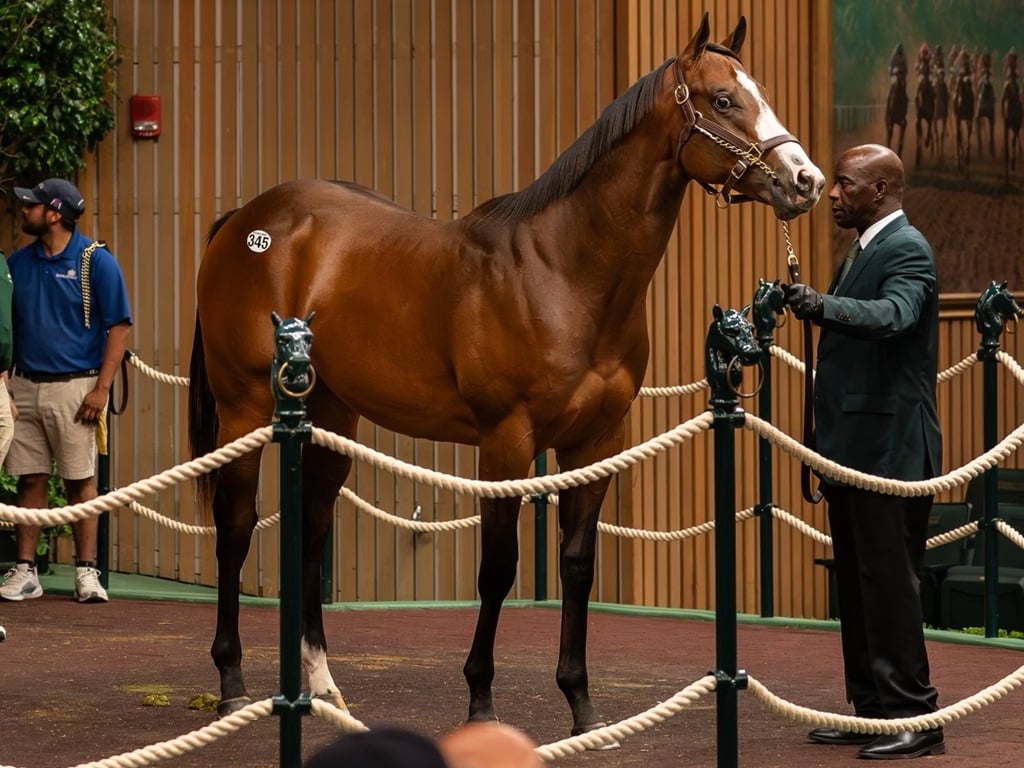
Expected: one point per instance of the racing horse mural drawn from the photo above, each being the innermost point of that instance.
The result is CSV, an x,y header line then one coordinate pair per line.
x,y
1012,107
524,321
963,119
896,112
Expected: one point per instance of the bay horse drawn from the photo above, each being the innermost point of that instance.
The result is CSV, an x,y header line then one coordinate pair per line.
x,y
940,114
517,328
896,112
1013,116
924,104
986,115
963,117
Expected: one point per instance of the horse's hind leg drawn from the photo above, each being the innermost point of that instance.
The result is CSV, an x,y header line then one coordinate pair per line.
x,y
323,473
234,512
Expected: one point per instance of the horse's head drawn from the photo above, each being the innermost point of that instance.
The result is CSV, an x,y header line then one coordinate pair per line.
x,y
996,307
730,136
730,345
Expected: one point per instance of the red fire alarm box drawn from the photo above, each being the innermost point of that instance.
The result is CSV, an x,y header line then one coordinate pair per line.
x,y
145,116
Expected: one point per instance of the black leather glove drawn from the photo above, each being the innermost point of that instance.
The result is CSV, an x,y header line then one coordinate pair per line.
x,y
805,302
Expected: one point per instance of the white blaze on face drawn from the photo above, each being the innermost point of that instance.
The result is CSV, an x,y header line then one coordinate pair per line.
x,y
767,126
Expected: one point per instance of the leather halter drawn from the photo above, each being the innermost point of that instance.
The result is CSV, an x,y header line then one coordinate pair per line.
x,y
693,120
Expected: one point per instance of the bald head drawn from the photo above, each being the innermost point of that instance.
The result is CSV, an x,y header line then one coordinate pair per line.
x,y
489,745
869,182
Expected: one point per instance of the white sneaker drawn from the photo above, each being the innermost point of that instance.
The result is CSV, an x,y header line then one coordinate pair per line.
x,y
87,586
21,583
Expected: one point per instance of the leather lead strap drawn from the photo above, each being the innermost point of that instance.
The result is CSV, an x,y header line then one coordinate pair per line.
x,y
810,495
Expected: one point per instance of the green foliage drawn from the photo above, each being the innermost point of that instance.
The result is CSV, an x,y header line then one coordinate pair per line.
x,y
55,497
57,63
1012,634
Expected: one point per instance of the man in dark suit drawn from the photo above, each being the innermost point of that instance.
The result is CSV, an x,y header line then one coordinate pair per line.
x,y
874,408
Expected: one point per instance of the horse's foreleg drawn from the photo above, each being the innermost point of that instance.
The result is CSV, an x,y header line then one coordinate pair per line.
x,y
323,473
578,510
578,513
499,554
234,513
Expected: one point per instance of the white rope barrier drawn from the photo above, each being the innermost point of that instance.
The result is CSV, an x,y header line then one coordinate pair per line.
x,y
607,735
953,479
153,373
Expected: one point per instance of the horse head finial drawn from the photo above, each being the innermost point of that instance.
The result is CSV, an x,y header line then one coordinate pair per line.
x,y
996,306
769,304
293,376
730,345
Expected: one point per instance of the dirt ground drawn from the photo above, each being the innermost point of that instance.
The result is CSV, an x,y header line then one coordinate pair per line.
x,y
75,676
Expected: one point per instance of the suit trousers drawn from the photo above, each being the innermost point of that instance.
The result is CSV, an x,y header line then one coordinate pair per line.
x,y
878,542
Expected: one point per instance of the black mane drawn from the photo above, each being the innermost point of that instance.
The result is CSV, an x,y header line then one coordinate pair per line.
x,y
618,119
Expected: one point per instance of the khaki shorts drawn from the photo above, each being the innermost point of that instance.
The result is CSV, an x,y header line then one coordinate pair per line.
x,y
46,430
6,422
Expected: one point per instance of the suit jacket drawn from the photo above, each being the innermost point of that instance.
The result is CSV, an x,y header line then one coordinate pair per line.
x,y
874,390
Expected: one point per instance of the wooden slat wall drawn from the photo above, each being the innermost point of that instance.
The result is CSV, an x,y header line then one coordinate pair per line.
x,y
442,104
718,256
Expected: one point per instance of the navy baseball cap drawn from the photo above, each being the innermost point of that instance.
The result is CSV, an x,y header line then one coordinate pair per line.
x,y
58,194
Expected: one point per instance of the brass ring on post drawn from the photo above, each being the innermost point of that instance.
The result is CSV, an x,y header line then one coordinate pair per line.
x,y
728,379
298,395
1006,326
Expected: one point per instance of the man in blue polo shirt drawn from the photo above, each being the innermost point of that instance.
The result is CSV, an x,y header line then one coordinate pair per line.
x,y
71,324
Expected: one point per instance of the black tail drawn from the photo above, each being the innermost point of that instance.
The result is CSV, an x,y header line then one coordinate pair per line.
x,y
202,416
202,407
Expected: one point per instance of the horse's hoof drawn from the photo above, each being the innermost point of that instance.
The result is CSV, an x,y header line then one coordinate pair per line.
x,y
230,706
607,747
610,745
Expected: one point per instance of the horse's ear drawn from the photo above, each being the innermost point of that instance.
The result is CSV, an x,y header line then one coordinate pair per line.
x,y
745,311
699,41
275,317
735,41
717,312
309,317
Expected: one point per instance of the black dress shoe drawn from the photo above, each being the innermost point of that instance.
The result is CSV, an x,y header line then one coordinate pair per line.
x,y
835,736
905,745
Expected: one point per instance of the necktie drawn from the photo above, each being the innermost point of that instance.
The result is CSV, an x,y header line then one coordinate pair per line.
x,y
851,256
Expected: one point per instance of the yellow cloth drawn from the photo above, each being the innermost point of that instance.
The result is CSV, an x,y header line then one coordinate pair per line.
x,y
101,434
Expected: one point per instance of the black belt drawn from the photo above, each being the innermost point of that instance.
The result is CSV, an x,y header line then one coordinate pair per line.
x,y
50,378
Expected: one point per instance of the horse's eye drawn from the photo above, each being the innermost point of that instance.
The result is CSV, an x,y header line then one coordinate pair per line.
x,y
722,102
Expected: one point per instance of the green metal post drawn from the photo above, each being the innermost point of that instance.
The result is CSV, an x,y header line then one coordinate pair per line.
x,y
763,510
989,429
728,416
540,534
724,378
995,306
768,305
291,430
